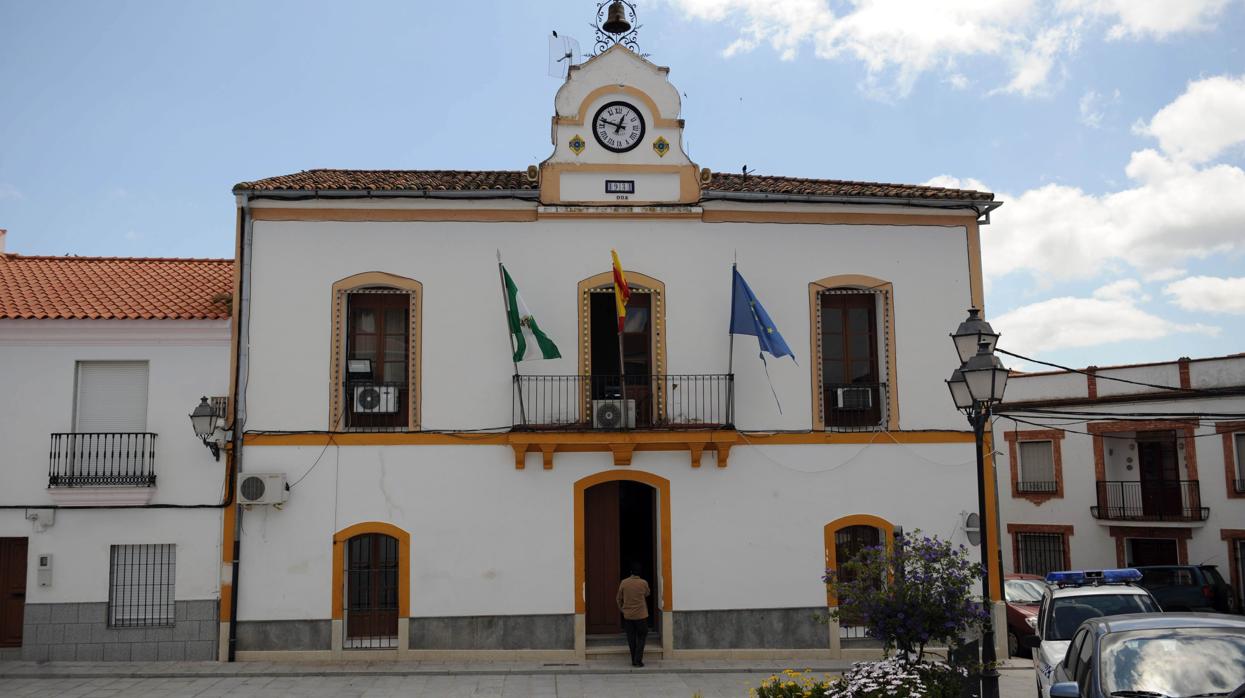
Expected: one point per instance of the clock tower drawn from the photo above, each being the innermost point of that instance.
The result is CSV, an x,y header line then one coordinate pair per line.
x,y
617,137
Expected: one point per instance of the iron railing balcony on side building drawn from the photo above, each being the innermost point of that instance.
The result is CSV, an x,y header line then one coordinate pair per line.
x,y
102,459
1149,500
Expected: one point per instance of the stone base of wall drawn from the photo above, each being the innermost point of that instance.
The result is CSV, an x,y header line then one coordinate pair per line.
x,y
79,632
535,632
284,635
755,628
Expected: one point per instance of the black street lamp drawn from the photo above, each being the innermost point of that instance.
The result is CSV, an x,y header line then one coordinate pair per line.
x,y
976,386
206,423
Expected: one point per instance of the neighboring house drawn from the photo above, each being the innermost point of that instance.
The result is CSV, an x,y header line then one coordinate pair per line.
x,y
439,505
101,360
1089,489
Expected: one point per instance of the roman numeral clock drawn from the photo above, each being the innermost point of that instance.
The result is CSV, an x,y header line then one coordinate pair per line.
x,y
618,126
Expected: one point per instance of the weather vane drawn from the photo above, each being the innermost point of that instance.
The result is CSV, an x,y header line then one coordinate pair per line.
x,y
616,24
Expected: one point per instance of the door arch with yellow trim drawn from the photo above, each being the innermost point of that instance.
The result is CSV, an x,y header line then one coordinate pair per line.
x,y
846,535
371,579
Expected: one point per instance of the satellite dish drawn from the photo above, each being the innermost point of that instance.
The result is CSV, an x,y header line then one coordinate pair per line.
x,y
563,53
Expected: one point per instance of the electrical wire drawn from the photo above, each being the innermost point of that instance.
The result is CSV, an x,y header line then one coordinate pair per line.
x,y
1102,376
1056,427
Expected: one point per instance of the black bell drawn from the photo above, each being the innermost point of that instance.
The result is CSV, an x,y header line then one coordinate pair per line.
x,y
616,21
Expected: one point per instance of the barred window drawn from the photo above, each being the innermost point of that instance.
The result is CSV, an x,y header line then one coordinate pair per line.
x,y
1037,466
140,585
1039,553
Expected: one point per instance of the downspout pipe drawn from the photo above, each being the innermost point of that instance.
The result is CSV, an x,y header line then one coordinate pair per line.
x,y
241,371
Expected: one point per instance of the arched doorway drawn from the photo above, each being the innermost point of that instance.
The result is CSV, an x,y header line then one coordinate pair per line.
x,y
371,573
620,531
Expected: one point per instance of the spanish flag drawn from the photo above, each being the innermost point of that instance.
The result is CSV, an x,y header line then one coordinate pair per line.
x,y
622,293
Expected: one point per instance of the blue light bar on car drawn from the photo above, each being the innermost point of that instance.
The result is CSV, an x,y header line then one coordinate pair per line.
x,y
1067,578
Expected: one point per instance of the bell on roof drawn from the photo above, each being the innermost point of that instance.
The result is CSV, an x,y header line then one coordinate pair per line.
x,y
616,21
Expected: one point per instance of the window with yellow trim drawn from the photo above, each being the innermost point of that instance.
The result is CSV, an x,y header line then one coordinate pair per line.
x,y
853,382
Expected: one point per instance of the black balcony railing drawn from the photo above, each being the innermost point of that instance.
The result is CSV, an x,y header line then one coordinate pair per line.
x,y
1149,500
375,406
854,406
684,401
102,460
1037,486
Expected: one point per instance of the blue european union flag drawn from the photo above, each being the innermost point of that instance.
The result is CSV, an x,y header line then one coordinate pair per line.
x,y
749,317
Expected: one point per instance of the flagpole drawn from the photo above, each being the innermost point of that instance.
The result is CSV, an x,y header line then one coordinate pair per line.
x,y
730,355
622,372
505,304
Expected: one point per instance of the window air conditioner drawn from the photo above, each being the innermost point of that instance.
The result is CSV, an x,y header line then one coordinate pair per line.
x,y
608,414
262,488
376,398
854,398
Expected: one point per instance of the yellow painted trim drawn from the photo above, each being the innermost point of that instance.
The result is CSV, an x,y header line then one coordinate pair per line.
x,y
226,598
992,519
662,486
975,282
587,440
635,279
835,218
392,215
858,281
404,563
888,531
582,116
337,358
551,181
622,215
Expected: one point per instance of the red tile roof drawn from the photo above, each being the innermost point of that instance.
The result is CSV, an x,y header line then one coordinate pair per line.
x,y
114,288
515,180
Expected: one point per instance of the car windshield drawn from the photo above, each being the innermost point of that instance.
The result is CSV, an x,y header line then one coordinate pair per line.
x,y
1070,611
1174,662
1023,591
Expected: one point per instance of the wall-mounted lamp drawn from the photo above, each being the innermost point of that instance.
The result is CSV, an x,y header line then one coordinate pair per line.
x,y
209,426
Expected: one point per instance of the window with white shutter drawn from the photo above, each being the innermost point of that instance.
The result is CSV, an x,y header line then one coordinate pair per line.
x,y
111,397
1037,467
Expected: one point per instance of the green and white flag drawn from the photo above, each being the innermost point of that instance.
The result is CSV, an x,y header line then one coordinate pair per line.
x,y
530,342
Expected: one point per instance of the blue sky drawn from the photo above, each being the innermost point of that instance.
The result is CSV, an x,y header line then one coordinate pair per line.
x,y
1114,129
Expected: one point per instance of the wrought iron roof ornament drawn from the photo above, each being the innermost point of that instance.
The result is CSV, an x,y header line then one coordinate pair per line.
x,y
616,24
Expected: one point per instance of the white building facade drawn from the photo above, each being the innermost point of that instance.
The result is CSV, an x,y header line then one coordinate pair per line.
x,y
438,505
1092,487
110,509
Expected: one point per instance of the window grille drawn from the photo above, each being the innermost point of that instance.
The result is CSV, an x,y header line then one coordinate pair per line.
x,y
842,405
140,585
1039,553
1037,466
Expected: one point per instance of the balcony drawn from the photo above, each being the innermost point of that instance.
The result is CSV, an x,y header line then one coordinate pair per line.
x,y
375,406
1149,500
115,468
854,406
1037,487
612,403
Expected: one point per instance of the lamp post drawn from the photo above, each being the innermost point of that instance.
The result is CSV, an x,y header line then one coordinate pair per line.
x,y
976,386
204,419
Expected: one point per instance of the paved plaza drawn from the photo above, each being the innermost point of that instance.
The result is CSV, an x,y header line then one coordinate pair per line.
x,y
592,680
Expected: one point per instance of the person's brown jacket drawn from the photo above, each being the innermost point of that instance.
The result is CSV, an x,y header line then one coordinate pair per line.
x,y
631,594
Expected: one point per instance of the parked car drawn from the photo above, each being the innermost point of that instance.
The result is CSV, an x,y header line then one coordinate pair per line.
x,y
1023,594
1189,588
1071,598
1157,655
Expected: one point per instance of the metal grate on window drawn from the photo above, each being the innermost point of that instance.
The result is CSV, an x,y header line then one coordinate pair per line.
x,y
140,585
1039,553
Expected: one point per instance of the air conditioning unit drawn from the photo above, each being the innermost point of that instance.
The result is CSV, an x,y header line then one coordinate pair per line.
x,y
854,398
262,488
608,414
376,398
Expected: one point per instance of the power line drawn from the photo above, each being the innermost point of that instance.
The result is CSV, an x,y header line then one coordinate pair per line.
x,y
1101,376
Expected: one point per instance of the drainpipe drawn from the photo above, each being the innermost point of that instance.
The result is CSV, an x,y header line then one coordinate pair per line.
x,y
242,370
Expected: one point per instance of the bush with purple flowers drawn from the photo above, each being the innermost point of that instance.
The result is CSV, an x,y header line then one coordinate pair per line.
x,y
911,595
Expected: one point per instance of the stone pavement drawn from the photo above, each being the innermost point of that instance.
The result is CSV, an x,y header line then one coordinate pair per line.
x,y
596,679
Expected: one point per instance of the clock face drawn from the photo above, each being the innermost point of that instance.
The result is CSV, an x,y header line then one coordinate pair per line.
x,y
618,126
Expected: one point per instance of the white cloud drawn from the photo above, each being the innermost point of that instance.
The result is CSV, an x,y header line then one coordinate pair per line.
x,y
1111,315
1149,18
949,182
132,235
8,191
1203,122
1093,107
899,40
1210,294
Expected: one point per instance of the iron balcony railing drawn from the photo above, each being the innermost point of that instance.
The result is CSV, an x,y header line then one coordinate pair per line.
x,y
1037,486
375,406
1149,500
853,406
116,459
613,403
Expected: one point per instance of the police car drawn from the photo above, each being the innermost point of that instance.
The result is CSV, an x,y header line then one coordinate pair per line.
x,y
1073,597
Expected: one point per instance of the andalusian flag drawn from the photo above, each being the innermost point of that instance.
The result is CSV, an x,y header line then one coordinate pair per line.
x,y
530,342
622,292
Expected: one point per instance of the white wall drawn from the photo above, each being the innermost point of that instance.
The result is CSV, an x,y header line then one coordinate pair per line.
x,y
489,539
466,368
187,359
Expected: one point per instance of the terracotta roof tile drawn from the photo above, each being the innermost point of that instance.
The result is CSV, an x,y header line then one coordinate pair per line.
x,y
515,180
112,288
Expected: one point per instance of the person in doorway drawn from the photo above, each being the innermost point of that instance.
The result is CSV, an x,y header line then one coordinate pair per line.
x,y
632,601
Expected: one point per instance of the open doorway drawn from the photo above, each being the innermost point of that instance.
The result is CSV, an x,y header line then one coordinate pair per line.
x,y
1152,551
637,352
1159,473
620,529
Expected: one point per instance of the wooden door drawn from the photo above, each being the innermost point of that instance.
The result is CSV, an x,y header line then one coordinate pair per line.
x,y
372,586
1159,472
602,567
12,590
